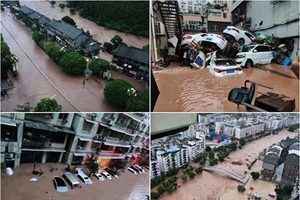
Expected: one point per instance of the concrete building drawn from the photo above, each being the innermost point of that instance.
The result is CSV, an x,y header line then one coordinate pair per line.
x,y
191,6
274,18
64,34
271,160
11,138
291,165
73,137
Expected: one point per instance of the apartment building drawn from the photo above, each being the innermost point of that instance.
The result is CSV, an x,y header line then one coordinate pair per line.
x,y
73,137
11,136
271,17
175,151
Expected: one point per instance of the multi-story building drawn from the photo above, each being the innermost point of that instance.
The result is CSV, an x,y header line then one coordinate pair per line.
x,y
74,137
11,138
274,18
291,165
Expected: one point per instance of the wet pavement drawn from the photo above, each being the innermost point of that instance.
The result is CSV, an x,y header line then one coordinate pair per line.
x,y
127,187
209,186
196,90
40,77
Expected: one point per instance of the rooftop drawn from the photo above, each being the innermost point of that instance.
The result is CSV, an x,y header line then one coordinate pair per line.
x,y
132,53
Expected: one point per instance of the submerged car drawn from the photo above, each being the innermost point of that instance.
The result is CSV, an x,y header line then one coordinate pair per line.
x,y
83,177
71,179
241,36
59,184
132,170
221,67
112,173
206,40
99,176
251,55
106,175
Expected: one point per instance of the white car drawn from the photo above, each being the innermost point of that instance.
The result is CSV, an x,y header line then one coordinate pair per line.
x,y
82,176
132,170
221,67
241,36
106,175
204,39
140,168
100,177
254,54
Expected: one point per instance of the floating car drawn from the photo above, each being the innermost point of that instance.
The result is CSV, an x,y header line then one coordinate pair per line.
x,y
132,170
241,36
251,55
206,40
106,175
140,168
99,176
221,67
83,177
112,173
137,169
59,184
71,179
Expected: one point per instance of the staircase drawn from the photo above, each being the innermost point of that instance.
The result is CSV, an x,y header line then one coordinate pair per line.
x,y
169,12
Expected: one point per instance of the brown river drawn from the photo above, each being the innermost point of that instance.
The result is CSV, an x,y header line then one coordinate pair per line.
x,y
209,186
196,90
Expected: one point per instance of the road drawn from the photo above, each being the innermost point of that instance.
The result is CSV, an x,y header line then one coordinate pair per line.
x,y
40,77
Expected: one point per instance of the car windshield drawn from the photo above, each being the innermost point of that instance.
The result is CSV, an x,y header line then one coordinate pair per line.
x,y
247,48
225,62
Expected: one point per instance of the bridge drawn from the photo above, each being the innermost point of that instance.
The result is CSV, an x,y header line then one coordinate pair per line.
x,y
229,173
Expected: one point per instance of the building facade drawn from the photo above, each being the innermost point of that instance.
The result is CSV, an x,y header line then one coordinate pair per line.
x,y
73,138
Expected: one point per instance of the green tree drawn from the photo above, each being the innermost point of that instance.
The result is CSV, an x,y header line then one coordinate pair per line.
x,y
8,60
98,66
155,195
255,175
37,37
73,63
47,105
116,40
69,20
241,188
139,103
117,92
53,50
242,142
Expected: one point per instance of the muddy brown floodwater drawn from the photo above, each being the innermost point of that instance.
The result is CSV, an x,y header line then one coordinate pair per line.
x,y
209,186
184,89
127,187
40,77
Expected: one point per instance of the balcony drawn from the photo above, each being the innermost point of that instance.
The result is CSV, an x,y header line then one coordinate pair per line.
x,y
116,142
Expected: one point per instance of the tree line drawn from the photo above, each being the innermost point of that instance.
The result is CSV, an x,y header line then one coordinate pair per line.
x,y
125,16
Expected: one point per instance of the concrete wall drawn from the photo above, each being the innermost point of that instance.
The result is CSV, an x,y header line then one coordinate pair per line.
x,y
161,122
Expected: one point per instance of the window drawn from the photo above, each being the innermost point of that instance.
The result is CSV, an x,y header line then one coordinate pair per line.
x,y
262,48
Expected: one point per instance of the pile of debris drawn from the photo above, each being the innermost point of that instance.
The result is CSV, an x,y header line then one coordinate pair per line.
x,y
228,53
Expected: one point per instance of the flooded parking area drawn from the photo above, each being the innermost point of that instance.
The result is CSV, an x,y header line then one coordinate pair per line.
x,y
121,189
196,90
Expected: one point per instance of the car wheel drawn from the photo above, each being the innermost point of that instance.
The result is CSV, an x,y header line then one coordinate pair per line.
x,y
241,41
248,64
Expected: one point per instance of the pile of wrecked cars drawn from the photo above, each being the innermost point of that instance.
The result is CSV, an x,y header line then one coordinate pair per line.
x,y
226,55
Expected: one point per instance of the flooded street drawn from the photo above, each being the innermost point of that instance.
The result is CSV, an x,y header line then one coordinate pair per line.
x,y
197,90
40,77
208,186
121,189
99,33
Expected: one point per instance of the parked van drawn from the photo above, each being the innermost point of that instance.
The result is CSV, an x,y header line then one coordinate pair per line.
x,y
71,179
